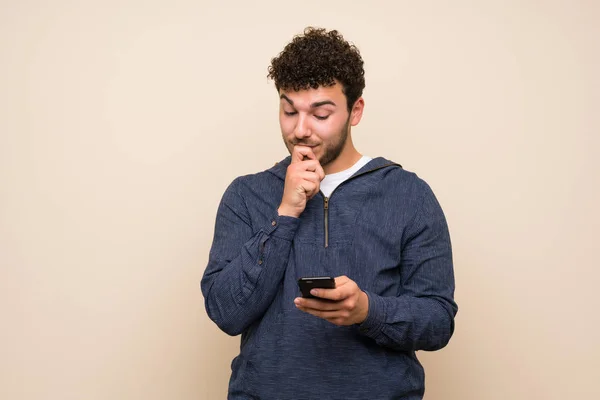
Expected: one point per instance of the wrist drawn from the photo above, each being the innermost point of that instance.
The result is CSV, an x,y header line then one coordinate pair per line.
x,y
287,212
363,307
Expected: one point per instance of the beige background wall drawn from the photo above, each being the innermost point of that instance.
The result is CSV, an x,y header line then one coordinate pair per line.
x,y
122,122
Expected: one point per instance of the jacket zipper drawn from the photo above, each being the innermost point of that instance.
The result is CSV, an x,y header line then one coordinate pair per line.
x,y
326,206
326,199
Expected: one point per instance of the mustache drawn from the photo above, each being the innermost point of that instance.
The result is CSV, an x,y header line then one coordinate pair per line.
x,y
302,143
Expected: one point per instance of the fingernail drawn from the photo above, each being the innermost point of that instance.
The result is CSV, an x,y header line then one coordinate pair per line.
x,y
314,292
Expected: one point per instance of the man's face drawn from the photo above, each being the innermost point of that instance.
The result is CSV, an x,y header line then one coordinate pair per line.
x,y
316,118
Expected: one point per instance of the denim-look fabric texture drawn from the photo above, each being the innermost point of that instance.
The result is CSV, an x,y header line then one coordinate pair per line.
x,y
386,231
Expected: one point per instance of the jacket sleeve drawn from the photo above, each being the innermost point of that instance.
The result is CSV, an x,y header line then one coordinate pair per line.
x,y
246,264
421,317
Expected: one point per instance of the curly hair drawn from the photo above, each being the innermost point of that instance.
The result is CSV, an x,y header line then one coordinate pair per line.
x,y
319,58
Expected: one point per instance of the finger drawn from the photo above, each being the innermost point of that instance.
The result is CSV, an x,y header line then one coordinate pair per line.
x,y
307,185
327,315
315,166
320,172
308,188
311,187
342,280
310,179
344,288
318,305
337,294
306,165
300,152
310,176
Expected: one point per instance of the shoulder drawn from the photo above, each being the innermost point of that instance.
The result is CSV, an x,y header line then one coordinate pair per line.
x,y
406,186
401,178
260,184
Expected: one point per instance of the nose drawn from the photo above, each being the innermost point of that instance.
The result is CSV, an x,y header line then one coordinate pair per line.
x,y
302,129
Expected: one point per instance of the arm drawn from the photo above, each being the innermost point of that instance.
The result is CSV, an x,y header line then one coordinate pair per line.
x,y
422,316
245,266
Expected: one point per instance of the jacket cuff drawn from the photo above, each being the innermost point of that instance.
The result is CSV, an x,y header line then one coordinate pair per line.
x,y
283,227
374,322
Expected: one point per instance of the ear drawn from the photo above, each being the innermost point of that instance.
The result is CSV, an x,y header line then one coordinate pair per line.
x,y
357,111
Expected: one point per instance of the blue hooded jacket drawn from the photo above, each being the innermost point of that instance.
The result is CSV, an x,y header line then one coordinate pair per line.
x,y
385,230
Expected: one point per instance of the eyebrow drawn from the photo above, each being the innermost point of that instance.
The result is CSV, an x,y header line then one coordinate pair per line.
x,y
313,105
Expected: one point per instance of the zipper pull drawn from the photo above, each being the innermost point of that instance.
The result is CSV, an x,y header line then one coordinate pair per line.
x,y
326,203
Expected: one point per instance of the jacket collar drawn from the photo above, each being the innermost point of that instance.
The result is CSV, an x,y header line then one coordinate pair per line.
x,y
280,168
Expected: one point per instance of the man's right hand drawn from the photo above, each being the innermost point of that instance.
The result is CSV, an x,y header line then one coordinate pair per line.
x,y
302,181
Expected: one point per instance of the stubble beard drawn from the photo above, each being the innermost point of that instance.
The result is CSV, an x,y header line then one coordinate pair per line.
x,y
331,152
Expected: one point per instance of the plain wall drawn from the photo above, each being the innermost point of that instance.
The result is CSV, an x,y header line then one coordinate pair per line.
x,y
122,123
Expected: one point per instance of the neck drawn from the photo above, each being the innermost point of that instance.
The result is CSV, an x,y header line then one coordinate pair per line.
x,y
347,158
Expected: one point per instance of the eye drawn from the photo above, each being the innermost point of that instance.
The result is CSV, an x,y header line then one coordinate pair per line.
x,y
290,113
322,118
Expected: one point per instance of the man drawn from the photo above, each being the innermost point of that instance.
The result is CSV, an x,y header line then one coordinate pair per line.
x,y
327,210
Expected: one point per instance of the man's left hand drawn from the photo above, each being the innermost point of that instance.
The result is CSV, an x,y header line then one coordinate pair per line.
x,y
344,305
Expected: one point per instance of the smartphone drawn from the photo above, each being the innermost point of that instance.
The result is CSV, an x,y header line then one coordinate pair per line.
x,y
315,282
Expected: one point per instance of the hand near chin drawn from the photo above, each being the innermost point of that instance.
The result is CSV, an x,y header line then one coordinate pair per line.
x,y
302,181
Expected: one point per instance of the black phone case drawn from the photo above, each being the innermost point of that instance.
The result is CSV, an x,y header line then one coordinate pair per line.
x,y
318,282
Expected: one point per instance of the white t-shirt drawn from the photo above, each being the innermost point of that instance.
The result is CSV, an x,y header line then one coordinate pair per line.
x,y
332,181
